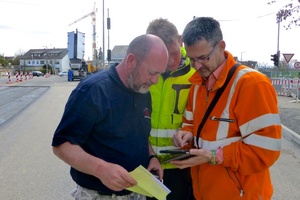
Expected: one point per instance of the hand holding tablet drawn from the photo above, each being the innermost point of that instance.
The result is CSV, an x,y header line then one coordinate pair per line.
x,y
179,154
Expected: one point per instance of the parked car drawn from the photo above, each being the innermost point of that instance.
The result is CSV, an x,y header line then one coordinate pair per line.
x,y
64,73
37,73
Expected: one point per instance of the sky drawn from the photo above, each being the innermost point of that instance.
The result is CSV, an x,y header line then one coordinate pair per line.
x,y
249,26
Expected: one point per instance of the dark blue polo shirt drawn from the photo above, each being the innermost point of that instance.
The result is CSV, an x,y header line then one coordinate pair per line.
x,y
108,121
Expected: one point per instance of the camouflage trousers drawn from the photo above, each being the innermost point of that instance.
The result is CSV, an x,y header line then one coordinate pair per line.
x,y
80,193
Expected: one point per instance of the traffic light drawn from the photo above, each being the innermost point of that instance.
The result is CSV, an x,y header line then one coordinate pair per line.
x,y
108,55
275,59
100,54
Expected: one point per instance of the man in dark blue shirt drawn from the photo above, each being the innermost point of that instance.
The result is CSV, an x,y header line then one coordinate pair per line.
x,y
103,133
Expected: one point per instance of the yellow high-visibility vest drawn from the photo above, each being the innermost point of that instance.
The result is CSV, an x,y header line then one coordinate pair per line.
x,y
169,99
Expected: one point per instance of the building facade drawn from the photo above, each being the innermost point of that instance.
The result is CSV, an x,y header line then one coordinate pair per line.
x,y
55,60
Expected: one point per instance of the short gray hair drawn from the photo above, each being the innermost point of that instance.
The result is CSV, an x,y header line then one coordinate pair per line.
x,y
164,29
202,28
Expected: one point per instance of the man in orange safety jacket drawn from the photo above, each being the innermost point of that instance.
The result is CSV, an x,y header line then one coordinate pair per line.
x,y
241,137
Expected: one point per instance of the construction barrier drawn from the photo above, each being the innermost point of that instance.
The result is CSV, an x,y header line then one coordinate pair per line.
x,y
295,88
47,75
9,78
287,87
30,75
20,77
17,77
26,76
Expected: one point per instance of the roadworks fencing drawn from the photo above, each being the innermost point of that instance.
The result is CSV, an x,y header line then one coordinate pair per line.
x,y
287,87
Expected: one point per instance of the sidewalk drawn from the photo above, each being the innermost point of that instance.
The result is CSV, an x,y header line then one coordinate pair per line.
x,y
289,112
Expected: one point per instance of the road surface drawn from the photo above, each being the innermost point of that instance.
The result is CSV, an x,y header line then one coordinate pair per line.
x,y
29,170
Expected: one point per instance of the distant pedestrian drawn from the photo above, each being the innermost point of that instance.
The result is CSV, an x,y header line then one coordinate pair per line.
x,y
70,75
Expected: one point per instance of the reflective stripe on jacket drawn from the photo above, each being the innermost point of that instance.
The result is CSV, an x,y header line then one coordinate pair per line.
x,y
169,99
249,132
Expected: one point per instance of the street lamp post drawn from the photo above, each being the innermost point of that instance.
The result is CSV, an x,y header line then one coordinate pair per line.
x,y
46,48
103,61
46,61
278,33
242,55
32,62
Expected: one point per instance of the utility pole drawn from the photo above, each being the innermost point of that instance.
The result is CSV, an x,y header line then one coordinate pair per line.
x,y
276,57
242,55
46,48
108,50
32,62
278,51
103,58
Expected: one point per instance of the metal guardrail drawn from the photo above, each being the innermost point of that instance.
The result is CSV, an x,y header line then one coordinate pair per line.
x,y
287,87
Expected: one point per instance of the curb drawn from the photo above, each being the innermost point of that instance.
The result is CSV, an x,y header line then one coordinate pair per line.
x,y
291,135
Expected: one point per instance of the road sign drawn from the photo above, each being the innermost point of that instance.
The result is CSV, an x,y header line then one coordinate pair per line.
x,y
297,65
288,56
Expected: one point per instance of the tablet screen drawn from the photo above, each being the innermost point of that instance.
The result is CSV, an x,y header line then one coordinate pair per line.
x,y
178,157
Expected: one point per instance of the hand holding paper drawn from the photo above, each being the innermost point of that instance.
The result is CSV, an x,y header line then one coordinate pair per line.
x,y
148,184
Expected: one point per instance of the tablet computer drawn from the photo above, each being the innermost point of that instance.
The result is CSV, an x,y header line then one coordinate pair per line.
x,y
175,151
176,154
178,157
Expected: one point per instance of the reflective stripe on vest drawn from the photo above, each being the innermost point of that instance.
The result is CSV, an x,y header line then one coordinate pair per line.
x,y
246,129
163,132
214,145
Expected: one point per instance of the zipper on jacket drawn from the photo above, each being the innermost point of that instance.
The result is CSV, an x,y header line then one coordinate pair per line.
x,y
238,183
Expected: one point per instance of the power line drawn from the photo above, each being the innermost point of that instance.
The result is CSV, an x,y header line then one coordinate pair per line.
x,y
246,19
266,15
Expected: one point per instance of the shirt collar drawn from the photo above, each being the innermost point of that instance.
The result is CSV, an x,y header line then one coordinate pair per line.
x,y
213,77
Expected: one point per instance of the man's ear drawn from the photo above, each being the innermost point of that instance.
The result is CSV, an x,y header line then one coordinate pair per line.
x,y
223,44
131,62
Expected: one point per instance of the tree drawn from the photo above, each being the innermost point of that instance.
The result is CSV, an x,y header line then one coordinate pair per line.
x,y
289,12
3,62
19,53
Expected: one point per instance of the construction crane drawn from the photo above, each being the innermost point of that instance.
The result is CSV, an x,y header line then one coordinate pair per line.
x,y
93,14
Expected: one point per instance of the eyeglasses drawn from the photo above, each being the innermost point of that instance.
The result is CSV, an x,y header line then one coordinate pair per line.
x,y
206,59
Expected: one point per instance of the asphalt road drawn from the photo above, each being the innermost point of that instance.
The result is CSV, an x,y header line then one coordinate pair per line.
x,y
28,168
30,171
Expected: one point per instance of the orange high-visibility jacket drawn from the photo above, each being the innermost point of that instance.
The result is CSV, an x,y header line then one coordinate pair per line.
x,y
251,140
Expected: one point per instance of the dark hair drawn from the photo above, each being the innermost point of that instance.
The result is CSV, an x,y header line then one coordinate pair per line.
x,y
202,28
164,29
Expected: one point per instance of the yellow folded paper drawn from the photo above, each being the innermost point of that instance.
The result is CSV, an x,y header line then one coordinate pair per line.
x,y
148,184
